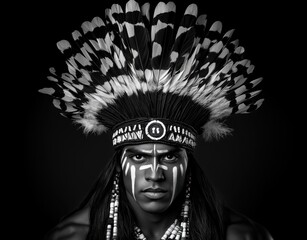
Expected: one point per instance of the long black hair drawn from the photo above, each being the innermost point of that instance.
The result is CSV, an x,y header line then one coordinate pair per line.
x,y
206,217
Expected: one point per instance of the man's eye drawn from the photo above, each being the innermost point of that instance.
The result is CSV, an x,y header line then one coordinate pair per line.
x,y
138,157
170,158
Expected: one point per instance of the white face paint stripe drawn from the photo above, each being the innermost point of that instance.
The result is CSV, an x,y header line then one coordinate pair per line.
x,y
127,168
157,166
181,169
124,162
162,151
132,174
150,166
146,167
155,159
162,166
123,155
146,151
185,161
174,184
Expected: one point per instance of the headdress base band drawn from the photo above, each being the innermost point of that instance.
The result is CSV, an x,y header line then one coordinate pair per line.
x,y
148,130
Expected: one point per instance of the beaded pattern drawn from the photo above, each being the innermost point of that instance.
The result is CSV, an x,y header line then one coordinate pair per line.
x,y
113,215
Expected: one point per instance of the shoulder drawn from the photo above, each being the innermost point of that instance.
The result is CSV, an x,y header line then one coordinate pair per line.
x,y
81,216
73,227
240,227
70,231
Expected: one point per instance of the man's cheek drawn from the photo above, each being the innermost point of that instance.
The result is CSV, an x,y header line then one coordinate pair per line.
x,y
177,175
129,171
184,165
132,177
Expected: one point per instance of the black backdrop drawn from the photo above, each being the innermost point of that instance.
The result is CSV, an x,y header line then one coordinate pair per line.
x,y
54,164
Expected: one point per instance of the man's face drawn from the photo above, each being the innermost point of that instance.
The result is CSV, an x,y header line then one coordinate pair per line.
x,y
153,175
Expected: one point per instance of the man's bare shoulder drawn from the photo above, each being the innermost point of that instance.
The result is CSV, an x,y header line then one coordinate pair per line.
x,y
73,227
240,227
81,216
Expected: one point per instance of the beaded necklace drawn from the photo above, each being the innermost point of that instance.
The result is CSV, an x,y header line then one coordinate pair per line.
x,y
179,229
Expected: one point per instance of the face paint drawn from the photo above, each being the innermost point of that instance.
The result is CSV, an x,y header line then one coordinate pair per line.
x,y
155,166
174,183
127,169
151,174
181,169
184,168
133,181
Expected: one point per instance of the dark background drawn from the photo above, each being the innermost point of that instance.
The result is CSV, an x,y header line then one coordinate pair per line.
x,y
53,164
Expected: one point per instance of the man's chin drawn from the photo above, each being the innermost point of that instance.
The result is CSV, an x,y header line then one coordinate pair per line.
x,y
149,205
154,207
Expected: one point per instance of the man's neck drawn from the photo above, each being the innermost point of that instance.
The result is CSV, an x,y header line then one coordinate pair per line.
x,y
154,225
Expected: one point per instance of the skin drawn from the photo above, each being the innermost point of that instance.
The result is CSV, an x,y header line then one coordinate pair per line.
x,y
240,228
155,165
154,175
147,167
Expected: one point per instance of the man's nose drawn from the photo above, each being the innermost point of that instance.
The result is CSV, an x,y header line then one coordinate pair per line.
x,y
154,174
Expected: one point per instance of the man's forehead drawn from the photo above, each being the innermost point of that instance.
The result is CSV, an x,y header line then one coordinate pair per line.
x,y
152,147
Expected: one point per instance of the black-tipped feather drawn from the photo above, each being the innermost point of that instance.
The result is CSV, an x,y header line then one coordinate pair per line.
x,y
131,64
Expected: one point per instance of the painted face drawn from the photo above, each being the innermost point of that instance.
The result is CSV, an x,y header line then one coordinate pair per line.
x,y
153,174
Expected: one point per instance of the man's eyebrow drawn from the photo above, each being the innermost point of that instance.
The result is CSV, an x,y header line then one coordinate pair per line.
x,y
171,150
136,150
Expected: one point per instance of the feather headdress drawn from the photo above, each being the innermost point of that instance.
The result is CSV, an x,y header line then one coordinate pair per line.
x,y
148,79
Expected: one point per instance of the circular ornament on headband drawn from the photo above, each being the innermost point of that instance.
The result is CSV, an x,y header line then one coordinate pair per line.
x,y
140,74
155,130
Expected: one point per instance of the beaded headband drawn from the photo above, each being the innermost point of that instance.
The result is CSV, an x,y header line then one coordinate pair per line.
x,y
144,77
152,130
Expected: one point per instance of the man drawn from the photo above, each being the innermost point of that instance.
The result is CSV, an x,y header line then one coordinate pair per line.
x,y
152,197
156,86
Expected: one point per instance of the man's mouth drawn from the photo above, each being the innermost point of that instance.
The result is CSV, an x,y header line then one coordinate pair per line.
x,y
154,190
154,193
